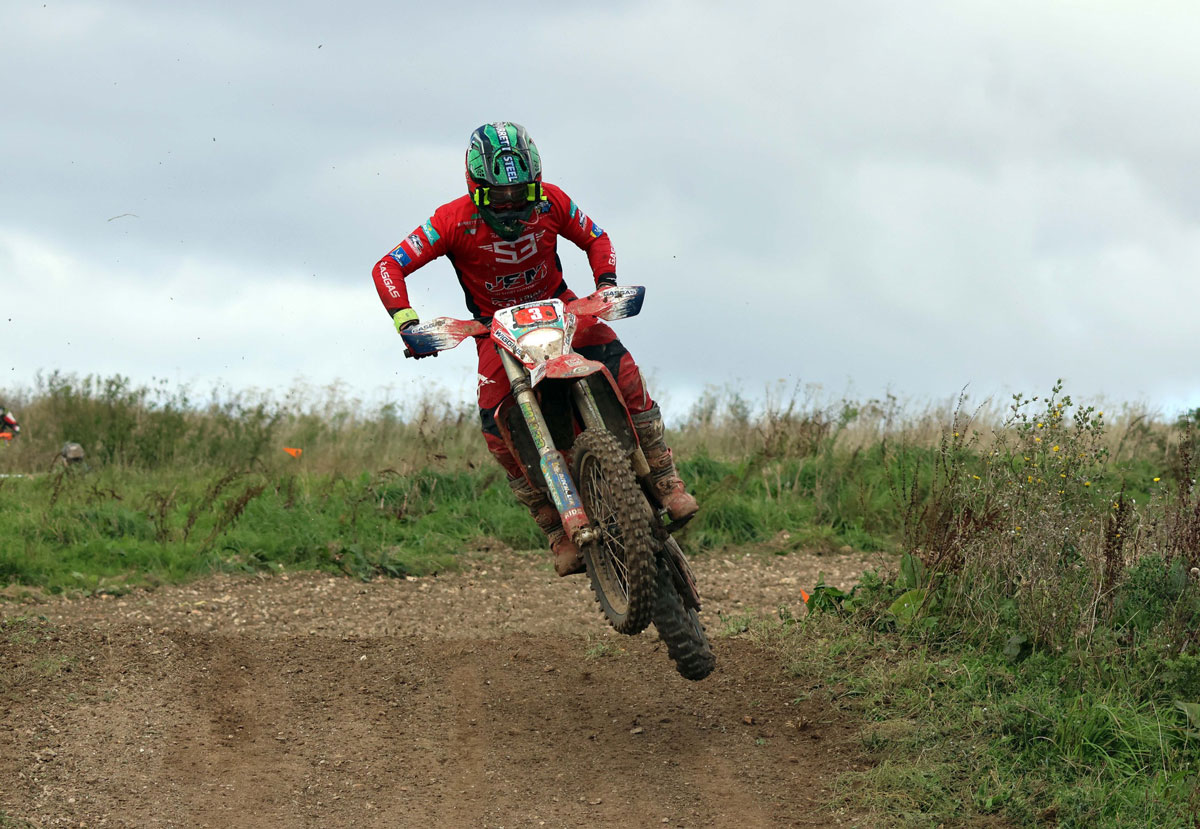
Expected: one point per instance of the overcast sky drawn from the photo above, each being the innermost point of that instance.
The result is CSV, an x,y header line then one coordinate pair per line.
x,y
869,196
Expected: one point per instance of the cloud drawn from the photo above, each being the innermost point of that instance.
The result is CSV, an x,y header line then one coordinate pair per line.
x,y
893,196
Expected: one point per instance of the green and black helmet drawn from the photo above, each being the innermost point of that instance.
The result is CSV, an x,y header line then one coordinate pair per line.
x,y
504,176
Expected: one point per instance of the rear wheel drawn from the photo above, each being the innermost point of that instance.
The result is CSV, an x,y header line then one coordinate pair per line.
x,y
680,629
621,562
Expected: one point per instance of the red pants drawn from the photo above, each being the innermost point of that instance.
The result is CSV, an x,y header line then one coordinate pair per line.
x,y
597,342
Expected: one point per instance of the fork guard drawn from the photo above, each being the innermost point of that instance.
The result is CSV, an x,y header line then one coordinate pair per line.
x,y
555,401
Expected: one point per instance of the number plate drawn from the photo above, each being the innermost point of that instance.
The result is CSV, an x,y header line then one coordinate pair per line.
x,y
536,315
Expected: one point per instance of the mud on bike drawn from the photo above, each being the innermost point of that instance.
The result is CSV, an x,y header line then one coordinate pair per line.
x,y
567,423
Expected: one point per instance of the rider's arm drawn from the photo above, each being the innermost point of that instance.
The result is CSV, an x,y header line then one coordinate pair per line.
x,y
8,422
420,247
586,234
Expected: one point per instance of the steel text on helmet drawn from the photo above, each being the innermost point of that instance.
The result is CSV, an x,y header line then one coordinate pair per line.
x,y
504,177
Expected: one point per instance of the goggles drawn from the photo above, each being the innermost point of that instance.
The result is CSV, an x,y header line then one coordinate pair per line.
x,y
508,194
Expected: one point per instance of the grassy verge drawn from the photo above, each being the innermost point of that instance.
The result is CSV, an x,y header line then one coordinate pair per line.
x,y
104,530
1035,661
966,736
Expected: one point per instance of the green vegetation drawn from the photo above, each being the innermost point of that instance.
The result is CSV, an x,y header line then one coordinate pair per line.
x,y
1035,656
1032,659
173,489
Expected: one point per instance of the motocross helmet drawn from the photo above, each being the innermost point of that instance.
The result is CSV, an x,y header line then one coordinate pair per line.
x,y
504,177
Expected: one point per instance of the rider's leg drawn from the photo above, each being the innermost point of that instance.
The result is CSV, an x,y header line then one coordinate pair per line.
x,y
674,496
567,560
599,343
493,388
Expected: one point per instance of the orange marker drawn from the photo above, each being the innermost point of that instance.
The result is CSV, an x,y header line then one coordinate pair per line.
x,y
295,453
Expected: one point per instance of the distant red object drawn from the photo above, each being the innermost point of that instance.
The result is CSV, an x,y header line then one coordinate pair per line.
x,y
295,453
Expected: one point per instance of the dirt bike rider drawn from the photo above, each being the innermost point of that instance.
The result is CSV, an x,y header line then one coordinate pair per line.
x,y
502,237
8,422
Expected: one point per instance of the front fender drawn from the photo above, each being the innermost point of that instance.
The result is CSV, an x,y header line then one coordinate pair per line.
x,y
567,367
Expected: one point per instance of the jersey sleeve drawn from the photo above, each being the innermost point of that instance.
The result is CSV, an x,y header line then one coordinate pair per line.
x,y
419,248
577,227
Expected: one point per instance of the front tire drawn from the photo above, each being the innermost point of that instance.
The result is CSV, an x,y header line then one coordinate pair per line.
x,y
621,563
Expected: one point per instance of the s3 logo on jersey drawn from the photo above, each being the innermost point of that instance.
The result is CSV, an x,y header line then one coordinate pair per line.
x,y
510,253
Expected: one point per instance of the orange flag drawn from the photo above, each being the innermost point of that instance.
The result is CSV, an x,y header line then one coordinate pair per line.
x,y
803,595
295,453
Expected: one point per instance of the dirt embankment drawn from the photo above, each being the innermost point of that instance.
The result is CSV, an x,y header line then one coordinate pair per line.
x,y
494,697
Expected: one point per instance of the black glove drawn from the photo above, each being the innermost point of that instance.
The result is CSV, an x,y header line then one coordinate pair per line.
x,y
606,280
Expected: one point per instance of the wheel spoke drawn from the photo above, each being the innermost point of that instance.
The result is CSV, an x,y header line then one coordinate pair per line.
x,y
612,547
621,559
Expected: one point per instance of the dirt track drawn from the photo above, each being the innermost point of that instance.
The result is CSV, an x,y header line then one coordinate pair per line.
x,y
495,697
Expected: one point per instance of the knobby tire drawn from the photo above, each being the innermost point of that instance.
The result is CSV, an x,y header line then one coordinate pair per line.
x,y
622,563
680,629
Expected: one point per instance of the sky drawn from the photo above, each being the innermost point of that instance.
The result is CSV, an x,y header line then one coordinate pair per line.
x,y
861,197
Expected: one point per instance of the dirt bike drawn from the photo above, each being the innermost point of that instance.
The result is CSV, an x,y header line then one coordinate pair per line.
x,y
567,423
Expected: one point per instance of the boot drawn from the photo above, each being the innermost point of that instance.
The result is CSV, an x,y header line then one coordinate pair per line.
x,y
567,560
671,492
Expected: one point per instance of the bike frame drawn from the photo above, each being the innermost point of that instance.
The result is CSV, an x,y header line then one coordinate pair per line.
x,y
552,324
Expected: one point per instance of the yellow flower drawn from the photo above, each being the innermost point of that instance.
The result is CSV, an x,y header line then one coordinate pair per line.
x,y
1037,440
1087,483
1156,480
1054,448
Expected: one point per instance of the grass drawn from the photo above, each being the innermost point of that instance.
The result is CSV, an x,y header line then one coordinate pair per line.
x,y
103,530
173,489
1032,660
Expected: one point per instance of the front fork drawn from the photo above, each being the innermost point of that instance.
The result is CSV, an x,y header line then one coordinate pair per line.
x,y
554,467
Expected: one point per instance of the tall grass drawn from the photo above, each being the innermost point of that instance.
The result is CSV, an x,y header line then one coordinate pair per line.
x,y
1047,609
149,427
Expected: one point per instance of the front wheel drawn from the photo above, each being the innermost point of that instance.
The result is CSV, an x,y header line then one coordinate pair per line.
x,y
621,562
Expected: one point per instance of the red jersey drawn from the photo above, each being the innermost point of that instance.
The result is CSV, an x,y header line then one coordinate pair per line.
x,y
494,273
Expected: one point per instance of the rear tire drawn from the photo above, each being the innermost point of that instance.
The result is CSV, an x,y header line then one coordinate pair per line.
x,y
679,627
621,563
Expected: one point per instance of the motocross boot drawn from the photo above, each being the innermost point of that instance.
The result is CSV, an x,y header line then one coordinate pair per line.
x,y
567,559
679,504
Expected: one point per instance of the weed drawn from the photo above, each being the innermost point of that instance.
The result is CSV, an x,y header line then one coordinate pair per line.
x,y
598,648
